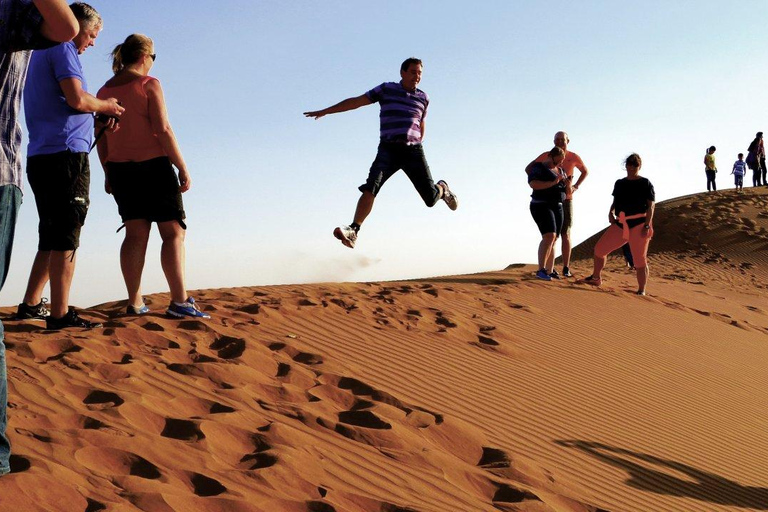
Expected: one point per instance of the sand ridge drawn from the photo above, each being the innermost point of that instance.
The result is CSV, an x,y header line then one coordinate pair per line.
x,y
485,392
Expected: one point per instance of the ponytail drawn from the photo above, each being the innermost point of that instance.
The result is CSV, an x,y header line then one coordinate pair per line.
x,y
117,59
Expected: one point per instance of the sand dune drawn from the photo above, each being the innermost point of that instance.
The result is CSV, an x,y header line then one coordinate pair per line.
x,y
483,392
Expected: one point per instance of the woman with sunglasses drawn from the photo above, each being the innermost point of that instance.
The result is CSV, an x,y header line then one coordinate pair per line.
x,y
139,159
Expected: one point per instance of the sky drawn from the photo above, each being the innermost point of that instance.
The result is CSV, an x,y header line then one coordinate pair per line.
x,y
664,79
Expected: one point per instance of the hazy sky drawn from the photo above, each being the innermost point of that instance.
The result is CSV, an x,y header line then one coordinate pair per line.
x,y
664,79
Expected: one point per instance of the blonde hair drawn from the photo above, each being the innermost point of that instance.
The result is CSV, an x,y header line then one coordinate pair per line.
x,y
133,48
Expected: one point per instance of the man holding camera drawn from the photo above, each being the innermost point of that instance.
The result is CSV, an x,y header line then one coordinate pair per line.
x,y
59,113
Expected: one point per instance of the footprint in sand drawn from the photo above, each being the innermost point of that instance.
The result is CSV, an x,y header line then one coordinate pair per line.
x,y
99,399
228,347
193,325
183,430
204,486
20,375
508,494
307,302
251,309
445,322
493,458
152,326
319,506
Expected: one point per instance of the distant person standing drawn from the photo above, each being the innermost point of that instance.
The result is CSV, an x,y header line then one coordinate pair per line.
x,y
739,170
403,123
139,161
710,168
25,25
550,186
756,158
631,220
572,161
59,113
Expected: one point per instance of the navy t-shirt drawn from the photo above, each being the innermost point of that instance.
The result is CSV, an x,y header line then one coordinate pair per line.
x,y
552,195
631,197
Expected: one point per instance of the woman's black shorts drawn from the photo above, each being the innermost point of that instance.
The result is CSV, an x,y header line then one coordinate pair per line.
x,y
146,190
548,217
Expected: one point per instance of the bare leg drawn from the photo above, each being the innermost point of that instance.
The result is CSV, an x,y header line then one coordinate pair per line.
x,y
62,269
566,244
132,255
364,207
550,263
642,278
545,250
38,278
172,258
599,264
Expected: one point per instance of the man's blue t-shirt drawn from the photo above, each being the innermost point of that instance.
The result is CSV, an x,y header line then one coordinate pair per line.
x,y
53,125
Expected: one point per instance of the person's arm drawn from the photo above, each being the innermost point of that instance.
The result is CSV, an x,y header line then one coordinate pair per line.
x,y
102,147
80,100
540,158
342,106
423,127
649,218
59,23
541,185
583,172
158,116
612,214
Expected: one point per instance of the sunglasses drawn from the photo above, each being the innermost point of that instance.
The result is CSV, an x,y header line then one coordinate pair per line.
x,y
153,56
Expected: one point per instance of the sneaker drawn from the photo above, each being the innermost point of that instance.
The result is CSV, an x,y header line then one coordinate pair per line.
x,y
449,197
71,319
567,272
542,274
640,292
554,275
136,311
347,235
38,311
185,309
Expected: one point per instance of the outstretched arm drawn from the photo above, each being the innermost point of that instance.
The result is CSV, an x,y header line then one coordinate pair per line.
x,y
59,23
342,106
78,99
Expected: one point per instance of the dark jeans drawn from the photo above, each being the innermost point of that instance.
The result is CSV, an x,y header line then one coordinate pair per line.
x,y
392,157
711,175
10,201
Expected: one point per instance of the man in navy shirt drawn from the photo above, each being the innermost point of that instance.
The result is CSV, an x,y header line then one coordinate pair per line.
x,y
402,121
24,25
59,113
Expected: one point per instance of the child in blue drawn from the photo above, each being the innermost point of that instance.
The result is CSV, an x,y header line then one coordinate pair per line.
x,y
739,170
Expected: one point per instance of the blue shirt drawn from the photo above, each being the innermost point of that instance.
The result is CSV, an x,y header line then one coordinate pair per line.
x,y
53,125
401,111
19,32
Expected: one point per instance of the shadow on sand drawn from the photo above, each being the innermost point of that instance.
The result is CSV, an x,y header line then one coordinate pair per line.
x,y
653,474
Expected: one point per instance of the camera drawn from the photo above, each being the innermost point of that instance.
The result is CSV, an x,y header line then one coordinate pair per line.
x,y
104,118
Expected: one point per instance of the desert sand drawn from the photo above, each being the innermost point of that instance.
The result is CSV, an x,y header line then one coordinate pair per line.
x,y
484,392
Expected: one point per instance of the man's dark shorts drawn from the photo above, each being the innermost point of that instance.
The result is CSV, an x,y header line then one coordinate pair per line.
x,y
147,190
60,182
393,156
567,217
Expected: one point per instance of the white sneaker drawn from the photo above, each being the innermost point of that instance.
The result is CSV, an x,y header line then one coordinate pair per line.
x,y
347,235
449,197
